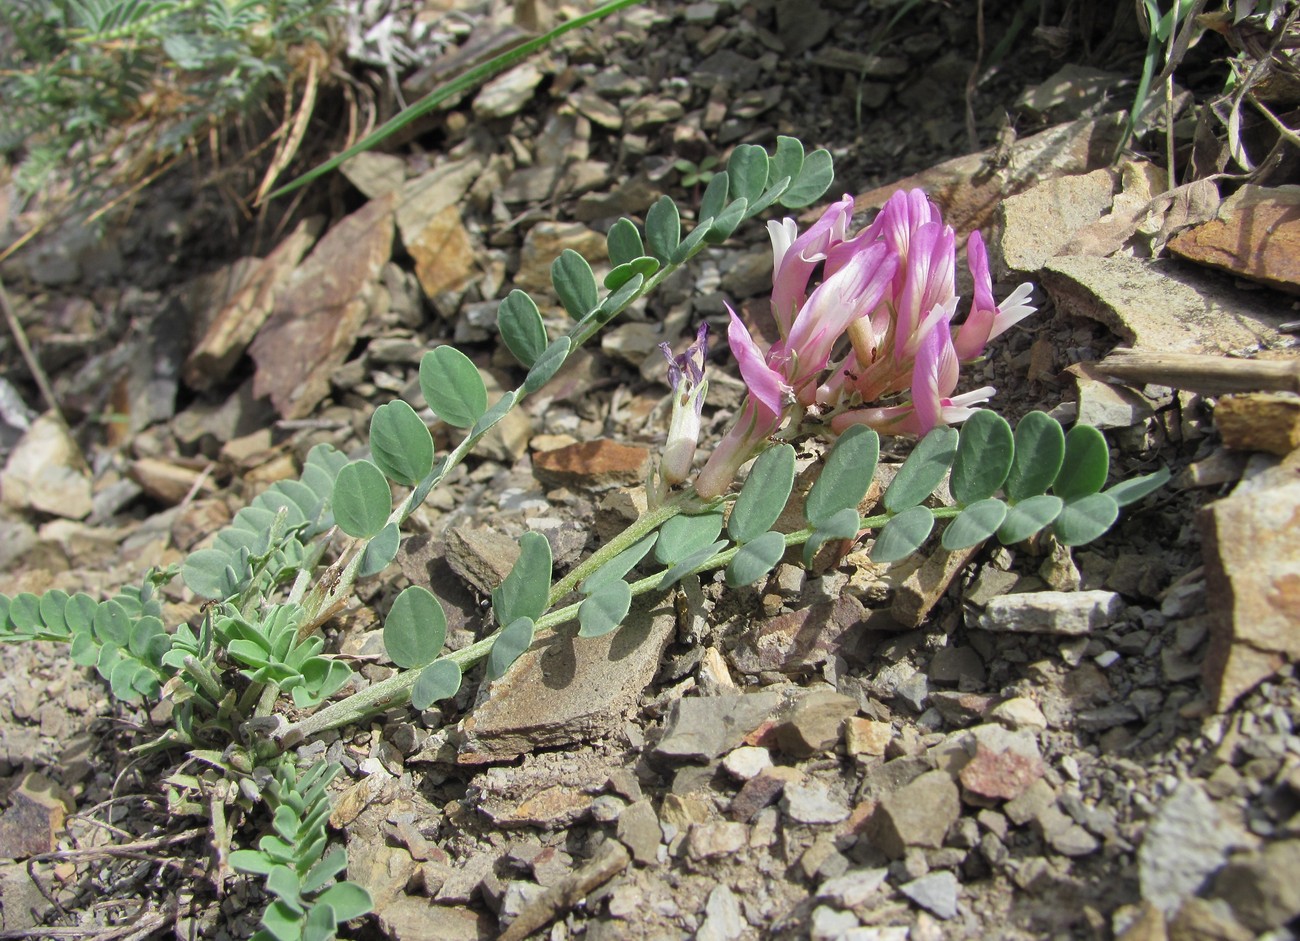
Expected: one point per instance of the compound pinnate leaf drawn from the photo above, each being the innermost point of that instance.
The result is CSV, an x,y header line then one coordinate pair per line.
x,y
755,558
663,229
617,567
788,159
524,591
514,639
605,608
1087,460
415,628
1130,491
380,551
1028,517
747,169
112,623
974,524
322,678
846,475
51,609
547,365
624,242
683,535
207,573
251,862
815,178
497,412
452,386
764,495
575,285
400,443
714,200
985,450
923,470
325,869
1085,518
520,323
903,535
1040,449
439,680
362,500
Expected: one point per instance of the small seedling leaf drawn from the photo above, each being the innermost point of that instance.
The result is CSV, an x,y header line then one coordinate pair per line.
x,y
755,558
513,640
764,494
438,681
846,475
923,470
663,229
452,386
523,593
815,178
520,323
1039,451
575,284
400,443
974,524
1028,517
415,628
903,535
1087,460
985,450
362,500
604,609
1085,518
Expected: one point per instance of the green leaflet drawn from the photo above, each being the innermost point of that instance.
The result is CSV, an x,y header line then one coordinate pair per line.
x,y
764,494
415,628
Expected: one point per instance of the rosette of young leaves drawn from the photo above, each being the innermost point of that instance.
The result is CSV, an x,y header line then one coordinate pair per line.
x,y
999,483
252,549
271,652
123,637
309,904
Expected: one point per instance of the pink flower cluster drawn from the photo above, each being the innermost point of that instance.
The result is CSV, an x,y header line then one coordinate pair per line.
x,y
876,327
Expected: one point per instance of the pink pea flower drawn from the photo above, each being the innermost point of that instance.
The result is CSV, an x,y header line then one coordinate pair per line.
x,y
795,256
988,319
934,378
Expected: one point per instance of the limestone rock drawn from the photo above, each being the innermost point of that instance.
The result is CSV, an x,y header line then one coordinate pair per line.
x,y
798,640
1263,421
1185,843
320,310
444,255
700,728
1052,612
46,472
917,814
592,465
1257,235
1252,574
1040,221
568,689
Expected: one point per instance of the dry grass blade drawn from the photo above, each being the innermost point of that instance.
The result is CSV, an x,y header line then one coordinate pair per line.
x,y
289,143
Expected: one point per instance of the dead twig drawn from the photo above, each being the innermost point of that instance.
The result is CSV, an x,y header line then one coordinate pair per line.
x,y
1202,373
20,337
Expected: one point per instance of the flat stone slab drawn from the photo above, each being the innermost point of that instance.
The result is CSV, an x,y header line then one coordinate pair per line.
x,y
569,689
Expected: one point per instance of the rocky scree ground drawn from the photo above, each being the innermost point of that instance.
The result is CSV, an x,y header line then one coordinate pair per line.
x,y
1015,743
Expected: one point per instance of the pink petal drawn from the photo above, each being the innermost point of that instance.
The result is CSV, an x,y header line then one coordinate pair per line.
x,y
766,385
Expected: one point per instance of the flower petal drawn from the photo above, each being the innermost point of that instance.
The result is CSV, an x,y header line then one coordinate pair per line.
x,y
766,385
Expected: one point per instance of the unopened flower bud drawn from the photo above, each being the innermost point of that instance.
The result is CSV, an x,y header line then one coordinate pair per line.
x,y
686,375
